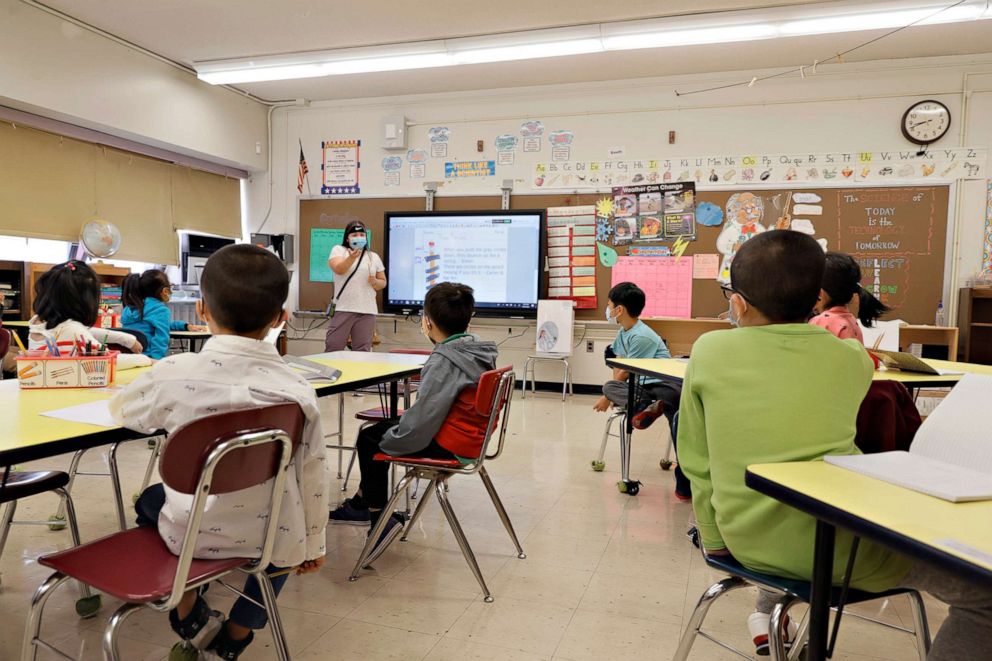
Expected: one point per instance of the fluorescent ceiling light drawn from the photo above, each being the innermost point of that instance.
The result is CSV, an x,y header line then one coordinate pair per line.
x,y
528,51
699,29
879,21
668,38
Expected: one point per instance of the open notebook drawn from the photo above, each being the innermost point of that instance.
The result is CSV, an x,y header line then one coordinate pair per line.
x,y
951,456
907,362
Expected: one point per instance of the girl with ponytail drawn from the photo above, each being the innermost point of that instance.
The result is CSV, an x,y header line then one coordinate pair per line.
x,y
841,283
144,299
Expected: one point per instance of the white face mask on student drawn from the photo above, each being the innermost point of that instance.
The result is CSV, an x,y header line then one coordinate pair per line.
x,y
610,318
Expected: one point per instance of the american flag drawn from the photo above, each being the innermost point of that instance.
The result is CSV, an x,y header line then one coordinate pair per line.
x,y
303,171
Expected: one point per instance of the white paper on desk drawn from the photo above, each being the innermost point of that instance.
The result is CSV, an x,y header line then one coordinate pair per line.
x,y
914,471
887,330
950,457
957,432
94,413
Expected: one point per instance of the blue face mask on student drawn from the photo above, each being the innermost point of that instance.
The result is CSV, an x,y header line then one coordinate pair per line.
x,y
357,243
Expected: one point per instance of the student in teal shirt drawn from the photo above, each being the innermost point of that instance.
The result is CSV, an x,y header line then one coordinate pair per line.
x,y
777,389
634,340
144,297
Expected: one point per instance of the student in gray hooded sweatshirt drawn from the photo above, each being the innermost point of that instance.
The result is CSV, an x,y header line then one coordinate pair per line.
x,y
442,422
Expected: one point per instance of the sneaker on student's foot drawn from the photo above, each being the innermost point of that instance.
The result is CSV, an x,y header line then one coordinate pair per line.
x,y
646,418
393,528
347,514
693,534
198,628
225,648
757,625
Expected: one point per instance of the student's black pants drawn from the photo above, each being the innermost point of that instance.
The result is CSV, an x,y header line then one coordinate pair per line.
x,y
375,474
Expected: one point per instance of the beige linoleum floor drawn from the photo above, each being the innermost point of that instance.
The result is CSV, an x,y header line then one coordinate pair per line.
x,y
607,576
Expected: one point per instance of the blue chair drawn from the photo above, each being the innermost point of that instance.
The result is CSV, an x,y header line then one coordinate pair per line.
x,y
792,592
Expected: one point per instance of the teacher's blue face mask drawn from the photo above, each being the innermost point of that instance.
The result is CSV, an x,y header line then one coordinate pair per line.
x,y
357,242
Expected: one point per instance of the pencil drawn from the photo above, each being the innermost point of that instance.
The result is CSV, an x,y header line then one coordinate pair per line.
x,y
17,338
24,370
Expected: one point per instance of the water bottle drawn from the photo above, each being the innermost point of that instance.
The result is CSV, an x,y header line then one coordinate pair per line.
x,y
939,317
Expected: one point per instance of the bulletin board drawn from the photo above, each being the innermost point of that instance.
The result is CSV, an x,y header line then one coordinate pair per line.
x,y
897,233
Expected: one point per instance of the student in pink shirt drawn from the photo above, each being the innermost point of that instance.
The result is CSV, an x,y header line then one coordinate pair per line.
x,y
841,283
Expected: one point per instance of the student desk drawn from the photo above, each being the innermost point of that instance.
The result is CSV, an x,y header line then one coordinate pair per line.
x,y
681,334
27,435
955,536
191,337
673,369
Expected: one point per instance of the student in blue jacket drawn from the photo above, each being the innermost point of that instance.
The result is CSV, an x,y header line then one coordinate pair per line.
x,y
144,297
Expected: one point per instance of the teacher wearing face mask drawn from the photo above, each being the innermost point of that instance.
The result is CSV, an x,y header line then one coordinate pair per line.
x,y
358,276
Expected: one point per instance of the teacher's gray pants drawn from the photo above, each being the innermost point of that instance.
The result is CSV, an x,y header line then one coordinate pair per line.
x,y
359,327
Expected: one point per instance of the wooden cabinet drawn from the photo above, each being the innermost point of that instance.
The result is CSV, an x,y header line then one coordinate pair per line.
x,y
975,321
12,287
111,279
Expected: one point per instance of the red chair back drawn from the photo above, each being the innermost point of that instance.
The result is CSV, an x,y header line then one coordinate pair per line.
x,y
487,390
4,340
187,450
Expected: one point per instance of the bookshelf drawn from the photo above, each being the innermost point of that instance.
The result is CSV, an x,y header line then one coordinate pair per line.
x,y
975,320
111,280
12,286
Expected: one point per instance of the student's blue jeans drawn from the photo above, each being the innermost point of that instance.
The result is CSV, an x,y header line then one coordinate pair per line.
x,y
243,613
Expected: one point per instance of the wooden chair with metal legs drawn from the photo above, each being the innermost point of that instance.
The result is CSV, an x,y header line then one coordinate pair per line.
x,y
792,592
214,455
492,400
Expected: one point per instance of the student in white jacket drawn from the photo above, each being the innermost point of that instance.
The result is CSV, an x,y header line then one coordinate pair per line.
x,y
66,305
244,288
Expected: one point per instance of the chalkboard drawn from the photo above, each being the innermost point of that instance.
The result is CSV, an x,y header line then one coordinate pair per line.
x,y
907,258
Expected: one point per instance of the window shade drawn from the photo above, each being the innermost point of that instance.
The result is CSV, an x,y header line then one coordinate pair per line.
x,y
47,184
135,194
206,202
51,185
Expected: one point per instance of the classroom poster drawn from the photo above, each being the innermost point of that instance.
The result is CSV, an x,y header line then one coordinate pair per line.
x,y
459,169
506,147
417,158
341,166
666,281
391,166
531,132
561,145
654,212
572,254
894,166
438,137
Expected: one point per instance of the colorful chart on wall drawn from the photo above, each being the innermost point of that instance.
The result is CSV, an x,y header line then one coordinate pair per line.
x,y
654,212
322,240
572,254
666,281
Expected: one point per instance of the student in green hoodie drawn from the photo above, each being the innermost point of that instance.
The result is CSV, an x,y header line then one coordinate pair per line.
x,y
777,389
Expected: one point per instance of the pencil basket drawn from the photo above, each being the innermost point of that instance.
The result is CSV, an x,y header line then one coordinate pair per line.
x,y
37,369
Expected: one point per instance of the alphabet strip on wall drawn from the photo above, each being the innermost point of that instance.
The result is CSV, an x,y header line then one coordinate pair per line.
x,y
829,168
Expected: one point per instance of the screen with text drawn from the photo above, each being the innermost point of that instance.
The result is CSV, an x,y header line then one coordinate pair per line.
x,y
497,254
